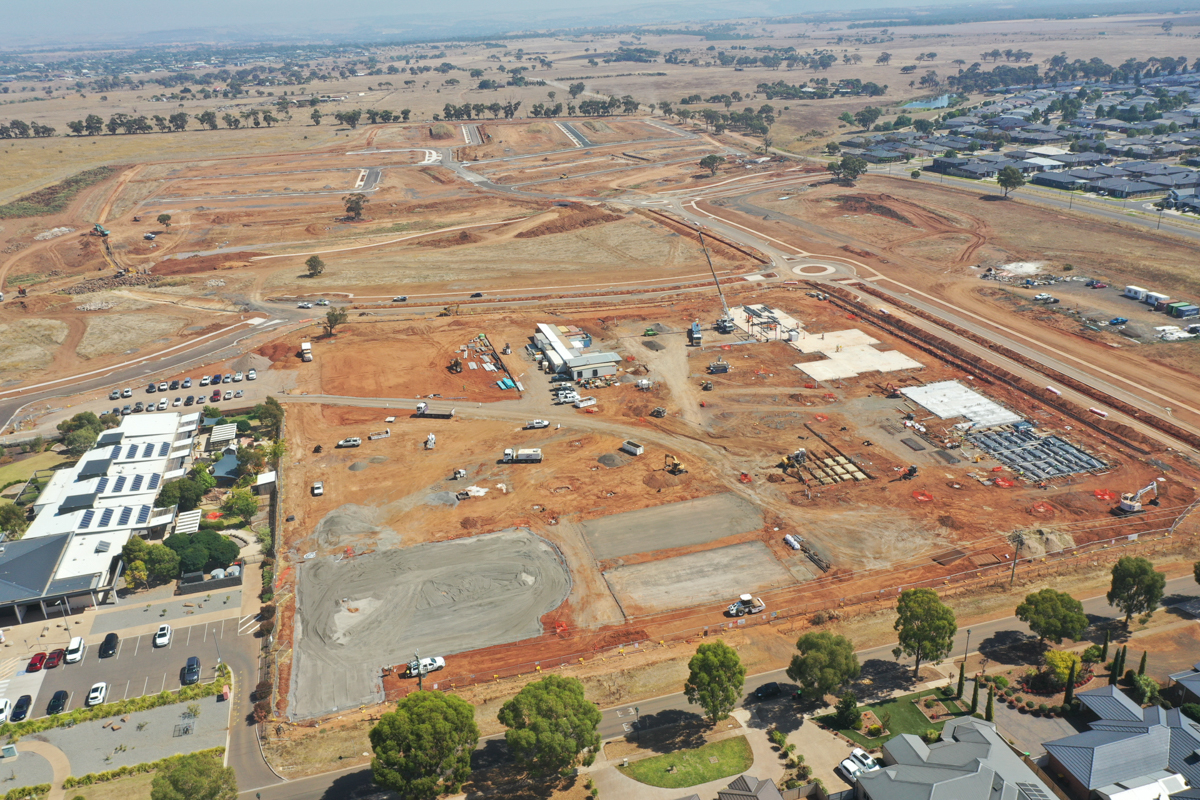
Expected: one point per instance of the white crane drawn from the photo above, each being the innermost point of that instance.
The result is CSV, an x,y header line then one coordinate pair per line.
x,y
725,323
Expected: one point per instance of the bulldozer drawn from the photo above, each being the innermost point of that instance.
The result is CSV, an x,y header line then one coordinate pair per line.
x,y
449,311
673,465
659,412
455,366
649,332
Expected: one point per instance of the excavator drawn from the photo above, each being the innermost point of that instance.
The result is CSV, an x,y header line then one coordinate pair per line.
x,y
1131,502
791,464
449,311
455,366
672,465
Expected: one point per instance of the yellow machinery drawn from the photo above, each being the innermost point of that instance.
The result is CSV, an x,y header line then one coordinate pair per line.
x,y
456,365
672,465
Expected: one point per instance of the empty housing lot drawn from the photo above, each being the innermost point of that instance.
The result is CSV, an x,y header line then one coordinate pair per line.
x,y
691,522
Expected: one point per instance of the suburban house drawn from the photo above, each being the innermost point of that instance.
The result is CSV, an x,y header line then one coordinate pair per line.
x,y
745,787
1130,753
1188,680
971,761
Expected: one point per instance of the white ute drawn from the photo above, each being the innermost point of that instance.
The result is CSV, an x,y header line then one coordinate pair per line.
x,y
353,441
537,423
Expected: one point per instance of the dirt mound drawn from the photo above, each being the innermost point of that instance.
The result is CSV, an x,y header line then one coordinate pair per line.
x,y
101,284
188,266
857,204
316,230
451,240
654,344
251,361
664,480
441,131
578,216
277,351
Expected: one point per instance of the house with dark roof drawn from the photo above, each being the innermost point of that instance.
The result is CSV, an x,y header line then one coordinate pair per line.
x,y
1120,187
745,787
1129,750
1188,680
1058,180
971,762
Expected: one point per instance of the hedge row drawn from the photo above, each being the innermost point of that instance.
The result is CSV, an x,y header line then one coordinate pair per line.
x,y
27,792
137,769
144,703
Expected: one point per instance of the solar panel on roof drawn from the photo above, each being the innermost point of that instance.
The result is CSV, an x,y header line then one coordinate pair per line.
x,y
155,479
86,522
163,449
106,517
132,451
119,486
102,485
126,513
143,515
148,450
137,484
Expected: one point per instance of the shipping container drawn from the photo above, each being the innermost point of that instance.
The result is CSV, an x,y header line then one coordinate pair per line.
x,y
1136,292
1183,312
1161,305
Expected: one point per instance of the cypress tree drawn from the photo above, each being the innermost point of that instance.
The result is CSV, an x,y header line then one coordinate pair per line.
x,y
990,712
1104,648
1124,661
1141,666
962,675
975,697
1069,694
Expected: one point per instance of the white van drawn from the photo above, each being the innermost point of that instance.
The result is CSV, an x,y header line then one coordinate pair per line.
x,y
75,650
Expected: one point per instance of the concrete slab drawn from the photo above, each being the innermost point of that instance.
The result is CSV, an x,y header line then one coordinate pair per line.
x,y
357,615
697,578
949,399
704,519
853,360
830,341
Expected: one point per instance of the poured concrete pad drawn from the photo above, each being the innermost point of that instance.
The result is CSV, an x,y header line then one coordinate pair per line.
x,y
949,399
853,360
698,578
358,615
704,519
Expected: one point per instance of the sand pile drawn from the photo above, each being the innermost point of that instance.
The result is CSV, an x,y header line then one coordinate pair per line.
x,y
349,521
251,361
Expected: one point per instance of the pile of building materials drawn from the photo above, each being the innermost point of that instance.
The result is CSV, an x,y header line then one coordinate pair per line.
x,y
1036,457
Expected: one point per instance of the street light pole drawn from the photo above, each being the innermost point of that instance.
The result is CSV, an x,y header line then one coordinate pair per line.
x,y
217,642
1016,558
966,648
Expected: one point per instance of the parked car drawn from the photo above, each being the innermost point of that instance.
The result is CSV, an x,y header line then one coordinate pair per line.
x,y
318,488
239,393
427,665
174,385
177,402
851,769
162,637
162,386
767,690
252,375
138,407
400,299
191,671
58,703
353,441
215,379
303,305
1118,321
125,411
127,392
98,694
162,404
238,378
204,380
75,650
55,658
477,294
1099,285
863,759
21,709
109,646
216,396
187,383
187,401
37,662
152,388
322,302
115,394
5,708
229,395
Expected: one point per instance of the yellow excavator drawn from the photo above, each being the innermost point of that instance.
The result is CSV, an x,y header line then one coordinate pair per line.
x,y
456,365
790,464
449,311
672,465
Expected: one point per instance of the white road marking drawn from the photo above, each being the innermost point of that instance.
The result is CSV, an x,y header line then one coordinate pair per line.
x,y
362,178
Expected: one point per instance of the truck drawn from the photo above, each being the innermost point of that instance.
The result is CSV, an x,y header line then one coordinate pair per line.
x,y
424,412
746,604
383,434
306,351
695,334
523,456
584,402
536,423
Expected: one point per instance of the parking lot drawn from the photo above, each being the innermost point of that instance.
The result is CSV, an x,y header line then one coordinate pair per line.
x,y
137,668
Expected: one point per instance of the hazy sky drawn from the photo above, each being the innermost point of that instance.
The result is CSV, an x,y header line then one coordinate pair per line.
x,y
69,22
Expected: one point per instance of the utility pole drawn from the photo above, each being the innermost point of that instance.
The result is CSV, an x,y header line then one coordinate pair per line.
x,y
1016,557
966,648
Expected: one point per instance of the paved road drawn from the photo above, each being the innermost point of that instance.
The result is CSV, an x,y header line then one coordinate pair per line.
x,y
988,638
138,668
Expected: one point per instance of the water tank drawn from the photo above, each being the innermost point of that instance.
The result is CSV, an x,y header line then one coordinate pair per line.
x,y
218,573
233,571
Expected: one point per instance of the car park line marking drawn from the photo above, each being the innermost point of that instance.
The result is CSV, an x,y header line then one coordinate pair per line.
x,y
120,646
126,696
136,643
246,624
189,641
146,685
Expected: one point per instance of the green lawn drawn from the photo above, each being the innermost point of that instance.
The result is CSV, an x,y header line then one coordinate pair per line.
x,y
693,767
906,717
21,470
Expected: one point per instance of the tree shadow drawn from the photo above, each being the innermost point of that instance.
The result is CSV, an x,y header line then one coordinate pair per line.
x,y
353,785
1012,647
784,712
878,678
508,781
992,198
669,730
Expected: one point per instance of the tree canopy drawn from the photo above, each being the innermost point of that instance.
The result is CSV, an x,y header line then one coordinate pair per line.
x,y
315,266
926,627
550,724
712,163
12,522
194,777
847,169
715,680
423,748
1010,178
1137,587
1053,615
826,662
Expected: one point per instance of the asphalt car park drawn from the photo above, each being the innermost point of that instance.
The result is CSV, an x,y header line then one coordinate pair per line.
x,y
138,667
